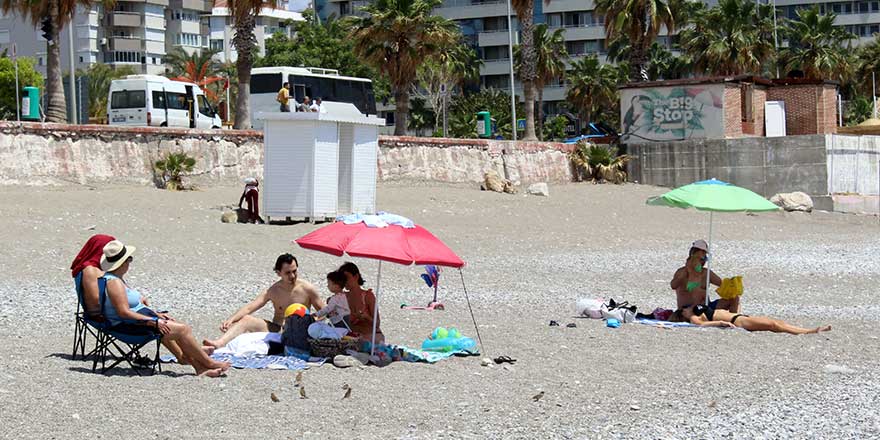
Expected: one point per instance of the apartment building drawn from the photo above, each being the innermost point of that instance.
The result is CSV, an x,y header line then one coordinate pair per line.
x,y
484,25
270,21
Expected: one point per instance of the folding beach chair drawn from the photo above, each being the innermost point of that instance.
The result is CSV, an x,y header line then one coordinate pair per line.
x,y
122,346
83,325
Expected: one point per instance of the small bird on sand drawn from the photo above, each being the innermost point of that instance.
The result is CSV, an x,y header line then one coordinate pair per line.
x,y
302,393
299,379
274,397
347,391
538,396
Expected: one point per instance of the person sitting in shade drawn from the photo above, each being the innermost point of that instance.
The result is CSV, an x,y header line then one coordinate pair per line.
x,y
252,195
317,107
306,105
337,309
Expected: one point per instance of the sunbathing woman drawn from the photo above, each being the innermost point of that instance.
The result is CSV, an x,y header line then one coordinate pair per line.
x,y
708,317
126,304
361,303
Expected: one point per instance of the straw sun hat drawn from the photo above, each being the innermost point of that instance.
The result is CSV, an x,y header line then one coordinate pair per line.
x,y
115,253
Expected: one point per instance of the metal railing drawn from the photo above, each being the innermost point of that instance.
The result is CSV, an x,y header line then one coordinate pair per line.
x,y
468,3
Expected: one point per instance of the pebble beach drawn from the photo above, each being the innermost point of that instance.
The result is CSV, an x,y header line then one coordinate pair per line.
x,y
528,259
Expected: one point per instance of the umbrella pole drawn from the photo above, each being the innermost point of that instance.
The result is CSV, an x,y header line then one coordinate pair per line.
x,y
480,339
376,309
709,261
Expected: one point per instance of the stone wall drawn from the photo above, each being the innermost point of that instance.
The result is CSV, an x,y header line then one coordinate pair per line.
x,y
39,154
465,160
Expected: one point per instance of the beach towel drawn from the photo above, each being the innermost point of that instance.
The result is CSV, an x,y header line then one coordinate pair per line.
x,y
431,357
260,362
666,324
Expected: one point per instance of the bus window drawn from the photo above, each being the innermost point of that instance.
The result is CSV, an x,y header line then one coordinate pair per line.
x,y
343,91
326,89
266,83
371,99
177,101
128,99
158,99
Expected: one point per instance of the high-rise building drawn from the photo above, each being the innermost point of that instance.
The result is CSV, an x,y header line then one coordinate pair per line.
x,y
484,25
270,21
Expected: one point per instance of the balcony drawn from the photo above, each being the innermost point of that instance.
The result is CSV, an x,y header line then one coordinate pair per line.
x,y
127,44
126,19
198,5
584,32
465,9
568,5
495,67
494,38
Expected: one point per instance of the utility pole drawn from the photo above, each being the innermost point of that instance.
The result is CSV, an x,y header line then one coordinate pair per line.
x,y
775,40
17,87
73,115
874,95
510,54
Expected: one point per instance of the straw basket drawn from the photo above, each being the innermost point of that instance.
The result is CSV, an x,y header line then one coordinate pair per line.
x,y
331,347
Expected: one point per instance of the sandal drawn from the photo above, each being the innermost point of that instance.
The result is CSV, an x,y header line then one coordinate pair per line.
x,y
504,360
554,324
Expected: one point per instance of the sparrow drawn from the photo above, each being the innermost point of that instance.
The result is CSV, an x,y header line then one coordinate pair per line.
x,y
299,379
538,396
347,393
274,397
302,393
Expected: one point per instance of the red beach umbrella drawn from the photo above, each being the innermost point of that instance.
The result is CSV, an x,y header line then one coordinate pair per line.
x,y
393,243
399,243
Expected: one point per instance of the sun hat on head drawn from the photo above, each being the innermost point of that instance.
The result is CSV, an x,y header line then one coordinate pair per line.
x,y
115,253
701,245
250,181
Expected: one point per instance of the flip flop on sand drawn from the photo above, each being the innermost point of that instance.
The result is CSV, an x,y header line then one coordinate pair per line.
x,y
504,360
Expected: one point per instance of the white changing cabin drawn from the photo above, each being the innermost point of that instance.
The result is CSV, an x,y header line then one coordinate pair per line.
x,y
319,165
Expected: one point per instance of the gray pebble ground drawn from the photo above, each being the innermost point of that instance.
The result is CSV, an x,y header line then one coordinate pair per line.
x,y
529,260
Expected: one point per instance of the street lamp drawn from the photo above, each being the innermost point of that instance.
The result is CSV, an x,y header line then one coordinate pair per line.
x,y
510,55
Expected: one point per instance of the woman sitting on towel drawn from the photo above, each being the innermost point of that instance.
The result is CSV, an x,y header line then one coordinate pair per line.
x,y
86,269
708,317
362,304
123,303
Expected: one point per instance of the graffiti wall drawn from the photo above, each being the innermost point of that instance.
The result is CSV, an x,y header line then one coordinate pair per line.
x,y
672,113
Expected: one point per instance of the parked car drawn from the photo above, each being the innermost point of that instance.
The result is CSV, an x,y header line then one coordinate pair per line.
x,y
156,101
597,133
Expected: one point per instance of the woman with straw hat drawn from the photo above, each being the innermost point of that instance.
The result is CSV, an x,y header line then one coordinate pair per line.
x,y
125,310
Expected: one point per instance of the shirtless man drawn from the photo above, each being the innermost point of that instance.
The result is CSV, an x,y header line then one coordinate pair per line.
x,y
286,291
689,282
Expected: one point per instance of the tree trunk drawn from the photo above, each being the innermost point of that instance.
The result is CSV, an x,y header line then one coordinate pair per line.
x,y
245,43
528,71
541,112
56,108
401,110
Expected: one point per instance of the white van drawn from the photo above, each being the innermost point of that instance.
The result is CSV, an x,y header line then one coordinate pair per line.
x,y
156,101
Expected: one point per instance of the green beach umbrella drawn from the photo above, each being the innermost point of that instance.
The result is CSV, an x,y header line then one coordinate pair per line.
x,y
713,195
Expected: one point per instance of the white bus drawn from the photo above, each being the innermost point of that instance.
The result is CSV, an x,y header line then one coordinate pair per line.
x,y
156,101
313,82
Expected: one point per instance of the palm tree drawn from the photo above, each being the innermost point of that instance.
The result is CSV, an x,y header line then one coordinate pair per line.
x,y
640,21
528,69
244,18
451,68
549,65
732,38
592,86
59,13
100,76
816,46
396,37
868,62
200,68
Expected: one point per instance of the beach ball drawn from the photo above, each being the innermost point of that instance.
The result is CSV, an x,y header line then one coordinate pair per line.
x,y
296,309
440,333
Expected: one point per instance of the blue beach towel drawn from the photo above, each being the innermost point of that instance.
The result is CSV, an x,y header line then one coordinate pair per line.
x,y
431,357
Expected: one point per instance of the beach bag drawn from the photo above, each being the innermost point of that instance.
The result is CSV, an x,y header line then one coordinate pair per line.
x,y
590,308
296,331
623,312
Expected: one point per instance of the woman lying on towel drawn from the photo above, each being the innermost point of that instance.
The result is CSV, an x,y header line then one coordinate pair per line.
x,y
709,317
123,304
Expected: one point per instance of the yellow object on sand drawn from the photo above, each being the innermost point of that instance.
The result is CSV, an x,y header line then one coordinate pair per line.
x,y
295,308
730,287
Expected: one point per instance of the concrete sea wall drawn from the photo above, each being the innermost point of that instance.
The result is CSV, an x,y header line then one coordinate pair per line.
x,y
41,154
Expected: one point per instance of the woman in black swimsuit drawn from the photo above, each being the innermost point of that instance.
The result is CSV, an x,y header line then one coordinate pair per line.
x,y
708,317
